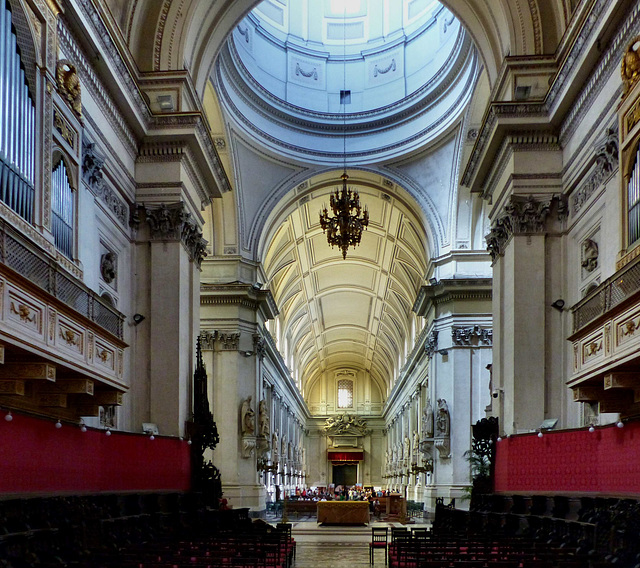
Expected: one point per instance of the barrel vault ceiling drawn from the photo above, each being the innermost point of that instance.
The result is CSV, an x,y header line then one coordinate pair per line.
x,y
353,313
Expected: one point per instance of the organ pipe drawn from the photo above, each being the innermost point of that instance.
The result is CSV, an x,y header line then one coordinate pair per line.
x,y
17,128
62,208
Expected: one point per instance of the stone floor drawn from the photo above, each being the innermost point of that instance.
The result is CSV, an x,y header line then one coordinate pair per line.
x,y
334,546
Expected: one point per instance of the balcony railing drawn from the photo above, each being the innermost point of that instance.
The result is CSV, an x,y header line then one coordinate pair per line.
x,y
20,255
612,292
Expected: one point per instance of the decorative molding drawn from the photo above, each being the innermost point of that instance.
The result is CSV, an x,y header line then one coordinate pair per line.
x,y
630,67
61,124
391,67
92,164
71,47
227,341
589,260
109,267
308,74
522,215
345,424
244,33
259,346
172,223
467,336
606,162
431,345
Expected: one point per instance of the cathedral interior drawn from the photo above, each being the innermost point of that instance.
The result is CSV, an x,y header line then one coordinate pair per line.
x,y
318,241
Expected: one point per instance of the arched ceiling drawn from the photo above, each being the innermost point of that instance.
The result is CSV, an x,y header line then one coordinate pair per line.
x,y
335,313
353,313
167,34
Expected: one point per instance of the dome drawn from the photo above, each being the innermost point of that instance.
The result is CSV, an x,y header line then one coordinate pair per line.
x,y
371,80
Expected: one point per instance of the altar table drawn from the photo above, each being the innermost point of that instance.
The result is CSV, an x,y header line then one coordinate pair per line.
x,y
343,512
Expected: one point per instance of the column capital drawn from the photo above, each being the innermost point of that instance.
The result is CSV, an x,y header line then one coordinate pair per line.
x,y
171,223
524,215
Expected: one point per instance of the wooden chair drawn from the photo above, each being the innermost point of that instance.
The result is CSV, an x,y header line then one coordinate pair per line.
x,y
378,540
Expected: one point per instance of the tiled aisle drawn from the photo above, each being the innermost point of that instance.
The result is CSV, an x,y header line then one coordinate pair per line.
x,y
336,546
335,555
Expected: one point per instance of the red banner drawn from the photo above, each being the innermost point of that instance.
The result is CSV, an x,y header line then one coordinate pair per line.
x,y
349,456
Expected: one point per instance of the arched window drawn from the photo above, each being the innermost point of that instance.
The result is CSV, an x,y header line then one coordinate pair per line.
x,y
17,124
62,208
345,393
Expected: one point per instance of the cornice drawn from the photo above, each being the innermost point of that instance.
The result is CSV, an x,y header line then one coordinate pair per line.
x,y
271,106
450,290
72,50
151,125
371,153
609,63
245,295
533,114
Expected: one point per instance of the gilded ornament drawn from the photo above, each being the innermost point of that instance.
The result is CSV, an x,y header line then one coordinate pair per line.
x,y
629,328
69,85
23,311
62,126
69,336
630,68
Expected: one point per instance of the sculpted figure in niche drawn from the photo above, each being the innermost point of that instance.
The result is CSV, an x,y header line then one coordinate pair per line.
x,y
427,420
263,416
589,255
274,447
108,267
407,447
443,418
416,442
247,416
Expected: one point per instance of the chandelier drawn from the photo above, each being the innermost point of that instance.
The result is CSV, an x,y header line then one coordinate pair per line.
x,y
344,229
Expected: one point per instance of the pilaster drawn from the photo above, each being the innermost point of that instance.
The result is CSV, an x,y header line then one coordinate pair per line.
x,y
524,263
169,252
231,316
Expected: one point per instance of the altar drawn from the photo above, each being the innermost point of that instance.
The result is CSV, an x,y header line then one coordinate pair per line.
x,y
343,512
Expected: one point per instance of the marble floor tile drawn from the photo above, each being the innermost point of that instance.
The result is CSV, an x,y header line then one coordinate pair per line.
x,y
334,555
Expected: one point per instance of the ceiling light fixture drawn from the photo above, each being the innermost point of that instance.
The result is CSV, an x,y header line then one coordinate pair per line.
x,y
345,228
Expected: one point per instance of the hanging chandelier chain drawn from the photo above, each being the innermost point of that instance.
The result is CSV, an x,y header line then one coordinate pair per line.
x,y
345,228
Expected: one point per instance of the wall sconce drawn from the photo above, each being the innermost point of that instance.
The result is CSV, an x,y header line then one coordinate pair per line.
x,y
138,318
443,352
558,305
433,281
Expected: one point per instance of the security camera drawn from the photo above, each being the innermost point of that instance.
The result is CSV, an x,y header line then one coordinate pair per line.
x,y
495,394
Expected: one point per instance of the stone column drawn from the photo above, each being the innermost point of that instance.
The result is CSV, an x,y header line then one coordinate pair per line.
x,y
169,255
522,297
232,314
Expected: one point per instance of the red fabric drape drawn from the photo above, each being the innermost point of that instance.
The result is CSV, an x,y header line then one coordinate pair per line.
x,y
348,456
605,461
35,457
